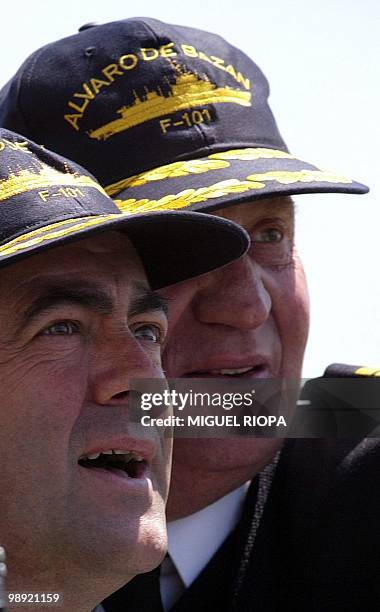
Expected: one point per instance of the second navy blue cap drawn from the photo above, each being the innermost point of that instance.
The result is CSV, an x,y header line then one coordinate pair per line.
x,y
165,117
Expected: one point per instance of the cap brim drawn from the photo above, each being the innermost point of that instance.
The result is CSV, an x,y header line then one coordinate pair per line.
x,y
173,246
225,178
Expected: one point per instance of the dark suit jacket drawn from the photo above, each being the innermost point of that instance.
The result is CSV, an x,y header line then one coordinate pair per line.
x,y
317,548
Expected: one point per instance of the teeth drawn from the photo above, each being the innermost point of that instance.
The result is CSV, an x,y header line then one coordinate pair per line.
x,y
93,456
231,371
131,456
128,455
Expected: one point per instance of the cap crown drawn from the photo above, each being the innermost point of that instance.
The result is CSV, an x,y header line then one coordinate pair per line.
x,y
145,91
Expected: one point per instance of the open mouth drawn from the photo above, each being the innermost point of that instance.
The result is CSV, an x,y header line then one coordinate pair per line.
x,y
225,372
128,464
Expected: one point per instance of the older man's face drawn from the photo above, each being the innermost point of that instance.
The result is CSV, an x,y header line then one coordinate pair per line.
x,y
75,324
249,319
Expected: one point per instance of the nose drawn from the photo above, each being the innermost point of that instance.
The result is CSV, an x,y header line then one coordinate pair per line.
x,y
235,296
115,363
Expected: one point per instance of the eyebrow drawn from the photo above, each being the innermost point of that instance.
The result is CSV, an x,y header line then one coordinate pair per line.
x,y
278,206
91,296
147,301
51,296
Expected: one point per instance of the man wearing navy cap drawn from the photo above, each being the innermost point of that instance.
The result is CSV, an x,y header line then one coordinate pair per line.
x,y
169,117
82,488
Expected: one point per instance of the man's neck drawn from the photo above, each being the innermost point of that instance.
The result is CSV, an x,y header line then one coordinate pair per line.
x,y
193,488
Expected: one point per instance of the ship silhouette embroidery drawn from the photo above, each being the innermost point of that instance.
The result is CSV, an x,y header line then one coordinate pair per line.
x,y
41,176
188,91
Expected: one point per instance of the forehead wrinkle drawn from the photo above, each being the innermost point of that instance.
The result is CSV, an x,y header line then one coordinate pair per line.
x,y
249,211
278,204
275,206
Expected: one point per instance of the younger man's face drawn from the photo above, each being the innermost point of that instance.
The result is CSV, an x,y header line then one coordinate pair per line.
x,y
249,319
76,323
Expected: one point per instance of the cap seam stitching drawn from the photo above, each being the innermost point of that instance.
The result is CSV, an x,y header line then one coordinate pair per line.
x,y
26,84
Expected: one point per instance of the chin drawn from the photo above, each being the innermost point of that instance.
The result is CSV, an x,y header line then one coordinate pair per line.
x,y
150,548
217,454
123,548
133,558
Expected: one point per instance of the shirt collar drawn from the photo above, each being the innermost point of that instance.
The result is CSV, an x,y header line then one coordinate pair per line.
x,y
193,540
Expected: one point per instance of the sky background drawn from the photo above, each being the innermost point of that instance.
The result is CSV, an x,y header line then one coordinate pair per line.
x,y
322,60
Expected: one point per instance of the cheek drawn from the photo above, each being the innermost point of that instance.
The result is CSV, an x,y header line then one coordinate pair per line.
x,y
290,311
38,414
40,399
180,297
154,354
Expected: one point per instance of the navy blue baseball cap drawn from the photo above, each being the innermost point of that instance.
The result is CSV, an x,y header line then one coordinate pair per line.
x,y
165,117
47,200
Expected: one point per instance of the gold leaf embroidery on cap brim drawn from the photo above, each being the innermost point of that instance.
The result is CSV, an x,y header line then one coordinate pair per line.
x,y
175,170
52,232
187,197
28,180
250,154
216,161
301,176
366,371
253,182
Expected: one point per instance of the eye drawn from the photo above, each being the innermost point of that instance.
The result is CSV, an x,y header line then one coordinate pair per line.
x,y
61,328
272,244
149,332
268,234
